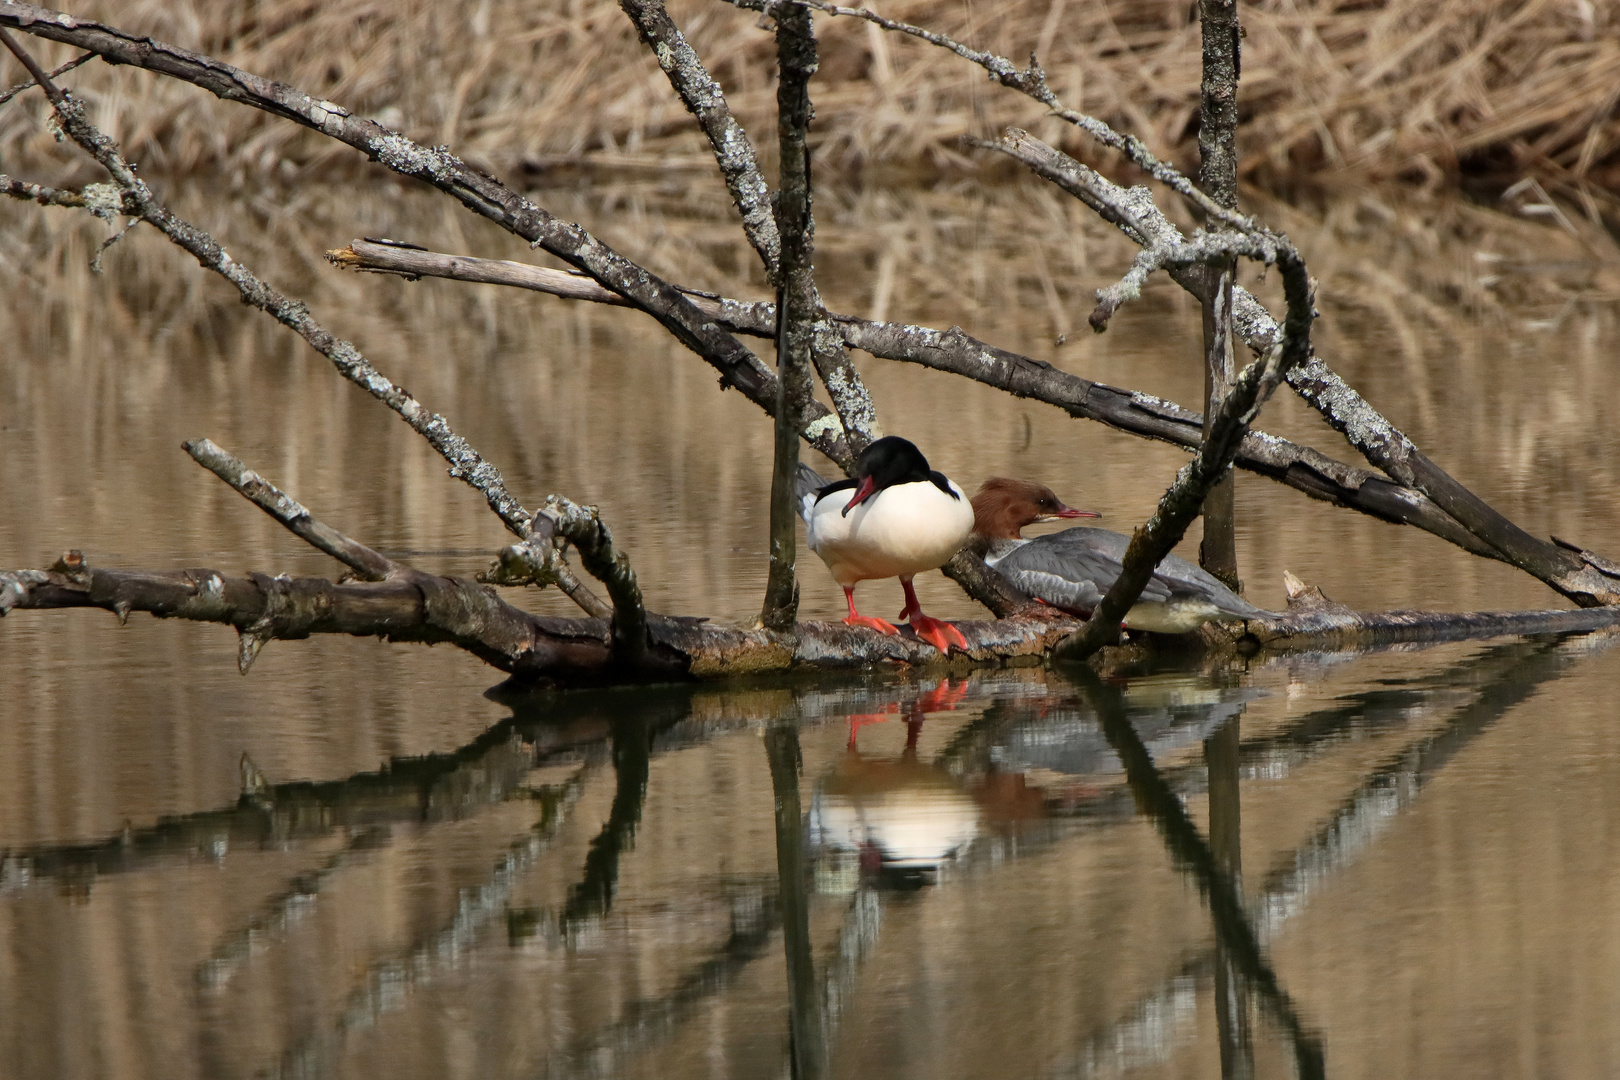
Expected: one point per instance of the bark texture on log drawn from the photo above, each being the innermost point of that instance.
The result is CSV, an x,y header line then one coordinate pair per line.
x,y
427,608
421,607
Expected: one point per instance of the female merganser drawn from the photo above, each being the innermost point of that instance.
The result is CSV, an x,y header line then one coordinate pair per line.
x,y
1073,569
896,518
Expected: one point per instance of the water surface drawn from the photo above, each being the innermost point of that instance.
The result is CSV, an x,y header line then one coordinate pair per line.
x,y
423,879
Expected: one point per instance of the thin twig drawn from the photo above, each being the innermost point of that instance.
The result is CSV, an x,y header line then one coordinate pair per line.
x,y
63,70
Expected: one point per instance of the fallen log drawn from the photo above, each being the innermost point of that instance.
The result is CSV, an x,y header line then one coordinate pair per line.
x,y
415,606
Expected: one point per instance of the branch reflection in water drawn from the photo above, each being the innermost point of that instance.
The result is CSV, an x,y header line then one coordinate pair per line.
x,y
601,937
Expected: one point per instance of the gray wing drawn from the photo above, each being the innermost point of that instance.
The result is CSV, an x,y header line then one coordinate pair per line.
x,y
1186,579
1082,564
1073,568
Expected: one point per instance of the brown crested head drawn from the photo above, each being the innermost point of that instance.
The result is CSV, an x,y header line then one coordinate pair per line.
x,y
1004,506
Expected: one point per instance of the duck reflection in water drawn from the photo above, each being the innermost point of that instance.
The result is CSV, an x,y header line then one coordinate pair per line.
x,y
903,817
1014,770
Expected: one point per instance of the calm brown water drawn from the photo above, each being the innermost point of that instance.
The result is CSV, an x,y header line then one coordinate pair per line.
x,y
440,883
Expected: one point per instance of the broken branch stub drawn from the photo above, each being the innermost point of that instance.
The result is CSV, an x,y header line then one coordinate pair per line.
x,y
584,528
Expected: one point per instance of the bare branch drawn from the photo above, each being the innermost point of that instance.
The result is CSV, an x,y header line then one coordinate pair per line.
x,y
137,200
1300,467
63,70
1221,42
39,193
739,167
1582,581
538,561
416,606
1185,497
367,564
796,305
476,190
703,98
1204,249
1031,81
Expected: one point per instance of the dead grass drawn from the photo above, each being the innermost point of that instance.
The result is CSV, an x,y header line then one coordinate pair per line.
x,y
1333,90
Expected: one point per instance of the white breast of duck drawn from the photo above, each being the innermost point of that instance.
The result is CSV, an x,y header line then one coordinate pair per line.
x,y
898,531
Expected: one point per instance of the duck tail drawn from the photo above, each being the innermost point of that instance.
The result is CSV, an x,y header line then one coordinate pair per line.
x,y
807,485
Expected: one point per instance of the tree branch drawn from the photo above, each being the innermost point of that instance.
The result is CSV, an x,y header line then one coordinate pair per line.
x,y
421,607
1582,580
136,199
739,168
63,70
585,529
1222,437
796,304
477,191
367,564
703,98
1031,81
1300,467
1217,175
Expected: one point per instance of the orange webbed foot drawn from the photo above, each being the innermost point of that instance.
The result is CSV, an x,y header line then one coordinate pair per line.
x,y
937,632
872,622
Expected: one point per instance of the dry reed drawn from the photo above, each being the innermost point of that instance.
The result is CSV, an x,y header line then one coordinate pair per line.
x,y
1332,89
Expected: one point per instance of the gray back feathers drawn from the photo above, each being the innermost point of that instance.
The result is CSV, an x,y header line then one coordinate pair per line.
x,y
1075,567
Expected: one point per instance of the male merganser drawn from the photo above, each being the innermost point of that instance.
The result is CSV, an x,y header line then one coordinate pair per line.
x,y
1073,569
896,518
